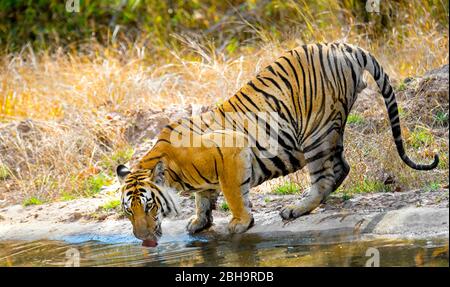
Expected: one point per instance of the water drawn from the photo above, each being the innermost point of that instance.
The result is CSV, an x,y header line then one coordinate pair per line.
x,y
236,251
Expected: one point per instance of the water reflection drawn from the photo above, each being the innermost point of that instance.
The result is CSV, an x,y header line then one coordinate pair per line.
x,y
244,250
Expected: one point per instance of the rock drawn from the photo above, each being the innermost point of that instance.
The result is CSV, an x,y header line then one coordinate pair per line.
x,y
434,85
147,124
102,217
441,72
428,93
413,221
76,216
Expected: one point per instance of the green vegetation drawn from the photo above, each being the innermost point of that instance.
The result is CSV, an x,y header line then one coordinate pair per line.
x,y
355,119
112,204
4,172
365,186
432,186
224,206
267,200
420,137
401,87
401,112
346,196
441,117
46,23
287,188
119,156
443,161
66,196
94,183
32,201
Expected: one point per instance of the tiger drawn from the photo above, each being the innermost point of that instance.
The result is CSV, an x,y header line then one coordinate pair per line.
x,y
310,90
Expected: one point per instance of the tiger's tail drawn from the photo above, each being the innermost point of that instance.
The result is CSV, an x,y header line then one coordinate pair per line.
x,y
373,67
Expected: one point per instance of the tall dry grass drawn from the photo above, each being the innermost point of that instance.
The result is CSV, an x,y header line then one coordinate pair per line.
x,y
78,103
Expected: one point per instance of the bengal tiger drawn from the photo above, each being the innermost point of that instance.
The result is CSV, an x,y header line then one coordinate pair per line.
x,y
310,90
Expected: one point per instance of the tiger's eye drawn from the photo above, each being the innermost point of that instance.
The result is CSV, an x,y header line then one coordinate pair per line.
x,y
148,206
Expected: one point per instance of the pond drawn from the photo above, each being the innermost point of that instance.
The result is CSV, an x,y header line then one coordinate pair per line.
x,y
247,250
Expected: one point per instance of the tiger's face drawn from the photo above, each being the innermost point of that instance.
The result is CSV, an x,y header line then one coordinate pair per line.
x,y
144,201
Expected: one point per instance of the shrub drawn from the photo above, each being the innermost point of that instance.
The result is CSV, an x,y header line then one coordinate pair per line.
x,y
32,201
287,188
224,206
355,119
112,204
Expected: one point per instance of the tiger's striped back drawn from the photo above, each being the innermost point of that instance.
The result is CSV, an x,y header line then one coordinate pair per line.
x,y
312,89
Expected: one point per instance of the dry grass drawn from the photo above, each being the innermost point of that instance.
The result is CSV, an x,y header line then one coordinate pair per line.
x,y
78,104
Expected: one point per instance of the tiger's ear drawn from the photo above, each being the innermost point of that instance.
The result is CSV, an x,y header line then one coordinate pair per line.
x,y
158,173
122,171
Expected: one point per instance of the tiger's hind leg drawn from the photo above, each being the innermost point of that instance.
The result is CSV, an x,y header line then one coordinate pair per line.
x,y
205,202
323,183
341,167
322,167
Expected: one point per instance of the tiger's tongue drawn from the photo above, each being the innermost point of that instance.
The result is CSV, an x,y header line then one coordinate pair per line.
x,y
149,243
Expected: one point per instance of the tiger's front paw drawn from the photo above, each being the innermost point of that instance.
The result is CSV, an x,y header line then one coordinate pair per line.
x,y
293,211
197,224
238,225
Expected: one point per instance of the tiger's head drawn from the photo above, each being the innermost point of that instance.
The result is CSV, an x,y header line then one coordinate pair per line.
x,y
145,201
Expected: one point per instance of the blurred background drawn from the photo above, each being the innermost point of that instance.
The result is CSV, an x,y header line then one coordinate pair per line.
x,y
78,79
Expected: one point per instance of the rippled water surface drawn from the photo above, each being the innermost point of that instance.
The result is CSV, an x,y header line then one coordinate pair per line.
x,y
244,251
